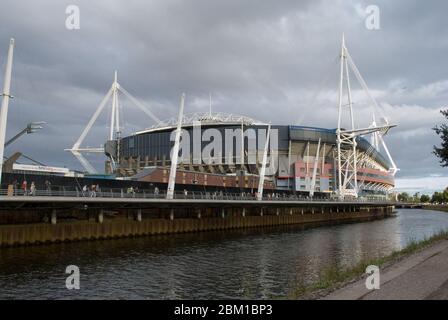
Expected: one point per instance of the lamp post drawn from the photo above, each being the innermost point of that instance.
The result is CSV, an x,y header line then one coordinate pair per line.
x,y
5,103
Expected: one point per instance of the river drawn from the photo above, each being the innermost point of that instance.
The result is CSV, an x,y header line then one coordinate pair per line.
x,y
249,264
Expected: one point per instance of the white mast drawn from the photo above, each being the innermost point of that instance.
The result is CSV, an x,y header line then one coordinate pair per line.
x,y
114,132
313,179
354,161
5,103
338,130
210,105
347,158
114,107
374,138
242,144
175,154
346,141
263,166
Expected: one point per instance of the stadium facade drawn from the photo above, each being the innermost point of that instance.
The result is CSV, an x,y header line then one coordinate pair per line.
x,y
301,159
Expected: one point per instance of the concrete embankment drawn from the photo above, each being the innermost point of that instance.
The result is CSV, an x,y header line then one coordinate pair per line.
x,y
422,275
98,225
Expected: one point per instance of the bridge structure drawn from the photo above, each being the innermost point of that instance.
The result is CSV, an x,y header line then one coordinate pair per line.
x,y
38,219
64,201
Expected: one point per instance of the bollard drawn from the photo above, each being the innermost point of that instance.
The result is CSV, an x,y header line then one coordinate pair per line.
x,y
261,212
290,211
223,213
277,212
171,214
199,213
244,212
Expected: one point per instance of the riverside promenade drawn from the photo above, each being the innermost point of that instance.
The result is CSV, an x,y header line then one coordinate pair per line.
x,y
72,217
420,276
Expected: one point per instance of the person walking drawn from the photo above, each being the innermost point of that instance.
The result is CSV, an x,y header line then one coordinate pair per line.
x,y
14,186
92,191
32,189
24,187
84,190
48,187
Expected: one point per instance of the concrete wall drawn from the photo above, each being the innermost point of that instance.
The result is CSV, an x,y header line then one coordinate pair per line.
x,y
24,234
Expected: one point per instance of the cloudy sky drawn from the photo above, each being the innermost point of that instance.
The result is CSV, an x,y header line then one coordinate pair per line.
x,y
271,60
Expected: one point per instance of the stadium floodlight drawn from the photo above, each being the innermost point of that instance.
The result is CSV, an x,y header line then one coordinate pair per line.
x,y
34,126
30,128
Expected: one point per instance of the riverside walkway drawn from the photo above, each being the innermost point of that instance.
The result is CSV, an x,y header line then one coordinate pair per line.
x,y
71,215
422,275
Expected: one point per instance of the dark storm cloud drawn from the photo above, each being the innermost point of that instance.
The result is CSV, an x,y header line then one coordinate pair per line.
x,y
265,59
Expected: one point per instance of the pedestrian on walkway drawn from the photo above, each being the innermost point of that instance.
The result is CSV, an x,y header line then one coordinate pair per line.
x,y
14,186
24,187
48,187
32,189
92,191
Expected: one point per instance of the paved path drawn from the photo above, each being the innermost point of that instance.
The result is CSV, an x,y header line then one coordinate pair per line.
x,y
149,199
423,275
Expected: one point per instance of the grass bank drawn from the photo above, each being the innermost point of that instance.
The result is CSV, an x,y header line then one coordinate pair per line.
x,y
436,207
332,278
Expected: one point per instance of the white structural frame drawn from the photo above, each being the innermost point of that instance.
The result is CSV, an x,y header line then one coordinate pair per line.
x,y
376,139
347,158
263,166
115,129
313,179
205,118
6,95
175,154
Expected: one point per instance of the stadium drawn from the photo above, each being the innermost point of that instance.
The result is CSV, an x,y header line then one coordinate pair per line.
x,y
219,151
301,159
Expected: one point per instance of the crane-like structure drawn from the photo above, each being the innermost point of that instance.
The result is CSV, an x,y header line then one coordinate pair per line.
x,y
115,128
346,139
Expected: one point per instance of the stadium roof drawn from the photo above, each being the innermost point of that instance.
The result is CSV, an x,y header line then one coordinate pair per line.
x,y
206,118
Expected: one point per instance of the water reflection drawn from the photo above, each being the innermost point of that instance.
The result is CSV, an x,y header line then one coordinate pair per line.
x,y
251,263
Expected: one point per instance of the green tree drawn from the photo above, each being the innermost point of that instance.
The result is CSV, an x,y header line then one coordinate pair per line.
x,y
403,197
416,197
442,131
438,197
424,198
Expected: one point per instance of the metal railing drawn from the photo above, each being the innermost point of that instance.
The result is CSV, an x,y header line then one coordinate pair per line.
x,y
114,193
